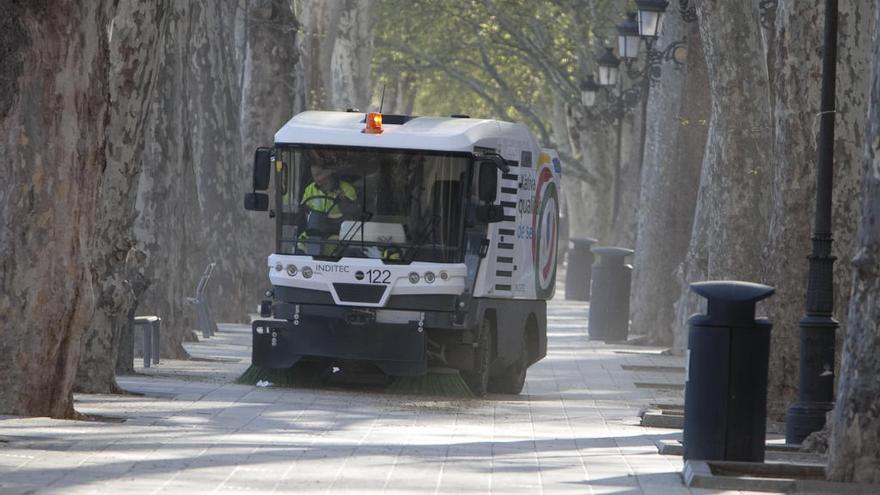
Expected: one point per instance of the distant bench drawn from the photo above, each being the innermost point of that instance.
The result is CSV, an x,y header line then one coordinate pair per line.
x,y
152,334
200,302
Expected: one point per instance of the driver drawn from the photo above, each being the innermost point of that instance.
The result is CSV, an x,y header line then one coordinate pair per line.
x,y
329,195
328,201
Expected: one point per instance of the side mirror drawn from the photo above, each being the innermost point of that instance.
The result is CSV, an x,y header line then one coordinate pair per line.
x,y
488,186
262,168
490,213
256,201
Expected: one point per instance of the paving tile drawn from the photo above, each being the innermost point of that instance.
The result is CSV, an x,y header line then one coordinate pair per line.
x,y
571,431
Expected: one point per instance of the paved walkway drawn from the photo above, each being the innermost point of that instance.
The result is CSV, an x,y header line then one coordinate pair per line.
x,y
573,430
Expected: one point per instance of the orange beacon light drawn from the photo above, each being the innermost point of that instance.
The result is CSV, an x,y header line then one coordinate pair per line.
x,y
374,123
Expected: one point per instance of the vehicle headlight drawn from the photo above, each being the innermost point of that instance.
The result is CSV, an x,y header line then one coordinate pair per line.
x,y
444,276
430,277
291,270
279,267
307,272
413,277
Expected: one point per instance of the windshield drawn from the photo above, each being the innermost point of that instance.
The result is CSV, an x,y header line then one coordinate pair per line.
x,y
395,206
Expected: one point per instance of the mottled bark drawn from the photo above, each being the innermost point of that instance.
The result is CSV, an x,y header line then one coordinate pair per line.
x,y
854,59
794,56
267,102
195,164
624,221
591,213
116,263
678,120
731,212
336,52
53,116
352,56
570,197
854,451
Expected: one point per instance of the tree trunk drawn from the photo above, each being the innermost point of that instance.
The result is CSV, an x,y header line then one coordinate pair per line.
x,y
854,451
189,197
854,46
116,263
731,210
568,197
267,103
591,202
795,85
626,206
336,52
53,118
678,119
352,57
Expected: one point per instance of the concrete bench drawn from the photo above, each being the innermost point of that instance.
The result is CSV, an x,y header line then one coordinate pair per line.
x,y
152,333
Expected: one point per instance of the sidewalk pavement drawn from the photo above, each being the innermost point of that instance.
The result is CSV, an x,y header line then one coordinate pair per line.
x,y
573,430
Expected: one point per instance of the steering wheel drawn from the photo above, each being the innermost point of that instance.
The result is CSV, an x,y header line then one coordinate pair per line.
x,y
320,223
308,200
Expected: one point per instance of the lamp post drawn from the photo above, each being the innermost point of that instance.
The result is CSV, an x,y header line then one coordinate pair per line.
x,y
816,392
620,103
588,91
646,25
651,17
609,68
628,39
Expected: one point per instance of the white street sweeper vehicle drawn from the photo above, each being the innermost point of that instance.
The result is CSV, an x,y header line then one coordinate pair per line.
x,y
408,243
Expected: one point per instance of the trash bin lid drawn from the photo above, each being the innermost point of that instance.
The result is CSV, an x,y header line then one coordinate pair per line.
x,y
583,240
730,302
612,251
732,291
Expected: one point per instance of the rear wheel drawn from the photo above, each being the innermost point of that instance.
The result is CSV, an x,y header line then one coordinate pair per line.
x,y
477,379
514,377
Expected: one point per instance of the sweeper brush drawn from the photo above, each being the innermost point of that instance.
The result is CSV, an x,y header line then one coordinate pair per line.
x,y
440,382
297,376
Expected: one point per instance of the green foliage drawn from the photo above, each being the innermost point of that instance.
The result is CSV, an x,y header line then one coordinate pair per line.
x,y
505,59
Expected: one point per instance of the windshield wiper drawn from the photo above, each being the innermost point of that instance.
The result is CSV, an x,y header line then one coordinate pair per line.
x,y
346,241
423,236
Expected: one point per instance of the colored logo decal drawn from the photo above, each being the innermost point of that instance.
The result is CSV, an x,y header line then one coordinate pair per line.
x,y
545,219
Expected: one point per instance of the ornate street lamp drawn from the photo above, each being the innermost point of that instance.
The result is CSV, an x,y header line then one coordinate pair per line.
x,y
818,326
628,39
651,17
608,68
588,91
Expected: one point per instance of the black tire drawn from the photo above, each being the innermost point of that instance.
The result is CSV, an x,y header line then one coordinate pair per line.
x,y
513,379
477,379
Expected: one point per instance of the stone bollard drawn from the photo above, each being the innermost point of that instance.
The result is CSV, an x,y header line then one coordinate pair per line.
x,y
609,303
725,405
578,269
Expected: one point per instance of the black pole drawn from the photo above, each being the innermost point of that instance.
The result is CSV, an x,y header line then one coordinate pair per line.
x,y
646,90
618,115
816,395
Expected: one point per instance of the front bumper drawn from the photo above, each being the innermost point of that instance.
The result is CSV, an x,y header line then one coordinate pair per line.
x,y
397,349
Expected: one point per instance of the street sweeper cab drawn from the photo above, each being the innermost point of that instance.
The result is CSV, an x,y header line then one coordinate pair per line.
x,y
408,243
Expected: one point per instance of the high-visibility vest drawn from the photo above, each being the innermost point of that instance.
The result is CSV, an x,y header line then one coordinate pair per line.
x,y
323,205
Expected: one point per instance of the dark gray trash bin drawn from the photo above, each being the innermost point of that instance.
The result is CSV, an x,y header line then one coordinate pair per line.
x,y
725,405
609,295
578,268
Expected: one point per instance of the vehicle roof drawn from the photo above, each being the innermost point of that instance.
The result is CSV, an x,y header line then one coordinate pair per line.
x,y
451,134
